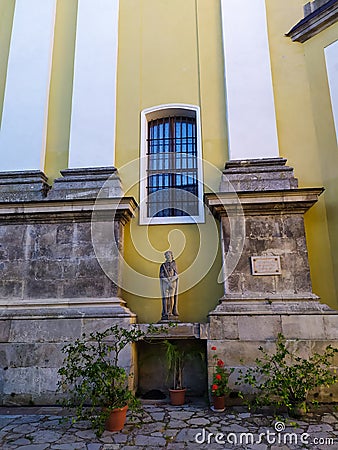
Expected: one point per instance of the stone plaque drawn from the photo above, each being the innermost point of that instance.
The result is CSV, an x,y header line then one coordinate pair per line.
x,y
265,265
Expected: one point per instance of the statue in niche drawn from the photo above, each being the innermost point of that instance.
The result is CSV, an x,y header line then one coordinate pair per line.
x,y
169,287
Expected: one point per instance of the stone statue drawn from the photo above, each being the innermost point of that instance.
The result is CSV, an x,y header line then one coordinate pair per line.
x,y
169,287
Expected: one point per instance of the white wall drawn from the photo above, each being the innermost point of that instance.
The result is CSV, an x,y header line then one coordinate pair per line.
x,y
92,133
331,57
250,102
24,118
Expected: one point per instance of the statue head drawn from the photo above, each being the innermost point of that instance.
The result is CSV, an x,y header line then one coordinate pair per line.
x,y
168,256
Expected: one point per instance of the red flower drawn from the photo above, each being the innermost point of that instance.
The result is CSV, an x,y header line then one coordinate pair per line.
x,y
220,363
214,387
213,348
218,377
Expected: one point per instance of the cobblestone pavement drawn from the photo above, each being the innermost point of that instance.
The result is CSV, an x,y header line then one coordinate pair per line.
x,y
170,427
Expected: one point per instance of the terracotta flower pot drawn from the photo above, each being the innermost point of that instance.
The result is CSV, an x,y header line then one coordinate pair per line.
x,y
219,403
177,396
116,419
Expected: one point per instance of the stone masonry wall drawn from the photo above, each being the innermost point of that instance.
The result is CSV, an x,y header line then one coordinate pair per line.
x,y
51,260
238,337
281,235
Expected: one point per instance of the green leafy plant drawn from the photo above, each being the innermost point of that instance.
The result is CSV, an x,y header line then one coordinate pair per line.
x,y
176,357
92,377
285,379
219,386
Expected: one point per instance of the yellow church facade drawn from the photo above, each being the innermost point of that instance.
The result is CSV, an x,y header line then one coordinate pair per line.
x,y
162,94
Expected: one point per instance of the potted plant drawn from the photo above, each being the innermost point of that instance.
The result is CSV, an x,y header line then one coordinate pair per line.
x,y
285,379
219,386
176,358
98,388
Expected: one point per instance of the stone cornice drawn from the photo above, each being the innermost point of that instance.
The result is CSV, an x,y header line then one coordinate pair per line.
x,y
312,24
262,202
50,211
62,308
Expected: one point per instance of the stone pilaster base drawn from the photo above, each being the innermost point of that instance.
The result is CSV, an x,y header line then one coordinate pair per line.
x,y
32,336
87,183
239,327
29,185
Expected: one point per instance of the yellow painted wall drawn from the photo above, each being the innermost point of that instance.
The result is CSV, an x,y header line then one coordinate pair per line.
x,y
170,57
60,98
6,22
171,52
299,80
325,132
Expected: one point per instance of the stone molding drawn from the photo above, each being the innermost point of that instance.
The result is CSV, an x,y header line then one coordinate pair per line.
x,y
181,330
289,306
28,185
296,201
89,182
63,308
316,21
55,211
79,183
257,175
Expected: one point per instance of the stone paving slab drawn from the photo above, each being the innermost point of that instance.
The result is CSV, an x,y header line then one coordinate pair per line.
x,y
173,428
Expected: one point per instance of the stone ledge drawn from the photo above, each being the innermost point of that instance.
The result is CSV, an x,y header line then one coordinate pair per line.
x,y
23,186
257,175
181,330
318,20
301,305
64,308
295,201
87,183
54,211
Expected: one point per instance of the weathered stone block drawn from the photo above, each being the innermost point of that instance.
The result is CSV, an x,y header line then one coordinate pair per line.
x,y
303,326
88,266
82,250
31,381
5,326
94,325
45,270
3,360
47,330
65,233
11,270
41,288
237,353
11,289
59,251
33,355
258,328
83,233
84,287
331,326
224,327
17,251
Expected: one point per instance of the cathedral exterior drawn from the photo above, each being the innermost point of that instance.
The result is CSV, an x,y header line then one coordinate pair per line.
x,y
130,128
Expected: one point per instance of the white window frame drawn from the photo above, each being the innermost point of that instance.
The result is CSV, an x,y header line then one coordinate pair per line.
x,y
147,115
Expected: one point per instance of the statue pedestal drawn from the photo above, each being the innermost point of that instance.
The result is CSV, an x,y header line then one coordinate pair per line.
x,y
169,319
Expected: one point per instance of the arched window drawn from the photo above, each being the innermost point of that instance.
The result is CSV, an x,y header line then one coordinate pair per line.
x,y
171,172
